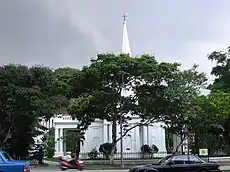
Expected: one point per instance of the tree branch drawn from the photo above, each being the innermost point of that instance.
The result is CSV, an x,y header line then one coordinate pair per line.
x,y
182,140
7,136
137,125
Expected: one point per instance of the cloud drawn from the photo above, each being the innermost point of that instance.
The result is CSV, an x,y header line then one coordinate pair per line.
x,y
31,33
70,32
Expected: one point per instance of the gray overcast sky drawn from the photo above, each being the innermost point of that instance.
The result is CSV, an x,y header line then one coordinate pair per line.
x,y
70,32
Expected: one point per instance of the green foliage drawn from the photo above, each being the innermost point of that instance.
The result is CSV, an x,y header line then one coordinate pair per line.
x,y
102,83
49,143
214,115
26,95
218,100
106,149
64,81
146,149
93,154
220,71
155,149
182,93
162,90
74,139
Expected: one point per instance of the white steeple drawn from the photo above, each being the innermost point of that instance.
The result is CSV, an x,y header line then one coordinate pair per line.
x,y
125,41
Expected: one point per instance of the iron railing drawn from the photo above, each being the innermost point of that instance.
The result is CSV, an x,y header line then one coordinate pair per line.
x,y
126,156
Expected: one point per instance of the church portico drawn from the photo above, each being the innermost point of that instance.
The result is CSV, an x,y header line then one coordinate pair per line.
x,y
100,132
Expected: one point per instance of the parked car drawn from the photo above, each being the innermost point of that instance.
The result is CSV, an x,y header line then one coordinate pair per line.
x,y
7,164
179,163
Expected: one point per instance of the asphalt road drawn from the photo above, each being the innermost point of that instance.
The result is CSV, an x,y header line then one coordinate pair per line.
x,y
55,169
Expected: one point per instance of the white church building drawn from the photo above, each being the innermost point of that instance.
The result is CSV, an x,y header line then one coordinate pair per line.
x,y
100,131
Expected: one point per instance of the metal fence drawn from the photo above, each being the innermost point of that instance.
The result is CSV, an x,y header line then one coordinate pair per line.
x,y
126,156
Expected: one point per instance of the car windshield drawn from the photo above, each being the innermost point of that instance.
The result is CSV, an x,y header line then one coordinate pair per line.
x,y
164,160
7,156
201,160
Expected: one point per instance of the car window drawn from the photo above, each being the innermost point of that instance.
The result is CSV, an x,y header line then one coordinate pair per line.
x,y
194,160
164,160
180,159
7,156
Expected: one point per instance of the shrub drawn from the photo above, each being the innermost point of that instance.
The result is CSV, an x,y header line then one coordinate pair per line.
x,y
155,149
146,149
93,154
106,149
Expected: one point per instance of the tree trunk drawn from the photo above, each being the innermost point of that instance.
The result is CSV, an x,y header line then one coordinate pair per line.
x,y
111,157
114,131
114,138
182,136
77,152
197,142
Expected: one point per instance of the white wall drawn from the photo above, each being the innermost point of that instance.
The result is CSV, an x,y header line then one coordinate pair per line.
x,y
100,132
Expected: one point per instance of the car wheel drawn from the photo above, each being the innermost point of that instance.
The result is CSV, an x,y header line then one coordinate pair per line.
x,y
63,168
81,168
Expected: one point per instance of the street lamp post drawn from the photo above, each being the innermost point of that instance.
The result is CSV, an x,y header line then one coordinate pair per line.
x,y
121,122
186,134
121,135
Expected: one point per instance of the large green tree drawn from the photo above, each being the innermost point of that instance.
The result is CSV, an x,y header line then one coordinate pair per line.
x,y
26,95
158,88
182,93
210,121
220,90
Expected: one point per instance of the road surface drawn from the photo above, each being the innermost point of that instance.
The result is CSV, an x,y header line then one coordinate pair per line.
x,y
55,169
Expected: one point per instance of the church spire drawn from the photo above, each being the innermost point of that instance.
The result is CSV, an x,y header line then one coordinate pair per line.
x,y
125,41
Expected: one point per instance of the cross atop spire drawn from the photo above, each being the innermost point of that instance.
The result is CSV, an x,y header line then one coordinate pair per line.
x,y
125,17
125,42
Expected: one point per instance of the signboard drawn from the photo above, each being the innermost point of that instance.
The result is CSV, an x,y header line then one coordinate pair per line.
x,y
203,152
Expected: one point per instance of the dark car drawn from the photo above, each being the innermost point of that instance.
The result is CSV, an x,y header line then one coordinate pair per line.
x,y
178,163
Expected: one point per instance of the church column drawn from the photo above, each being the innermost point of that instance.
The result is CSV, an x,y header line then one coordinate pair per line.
x,y
137,140
151,135
56,139
61,141
110,133
145,138
148,135
64,141
163,139
105,133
